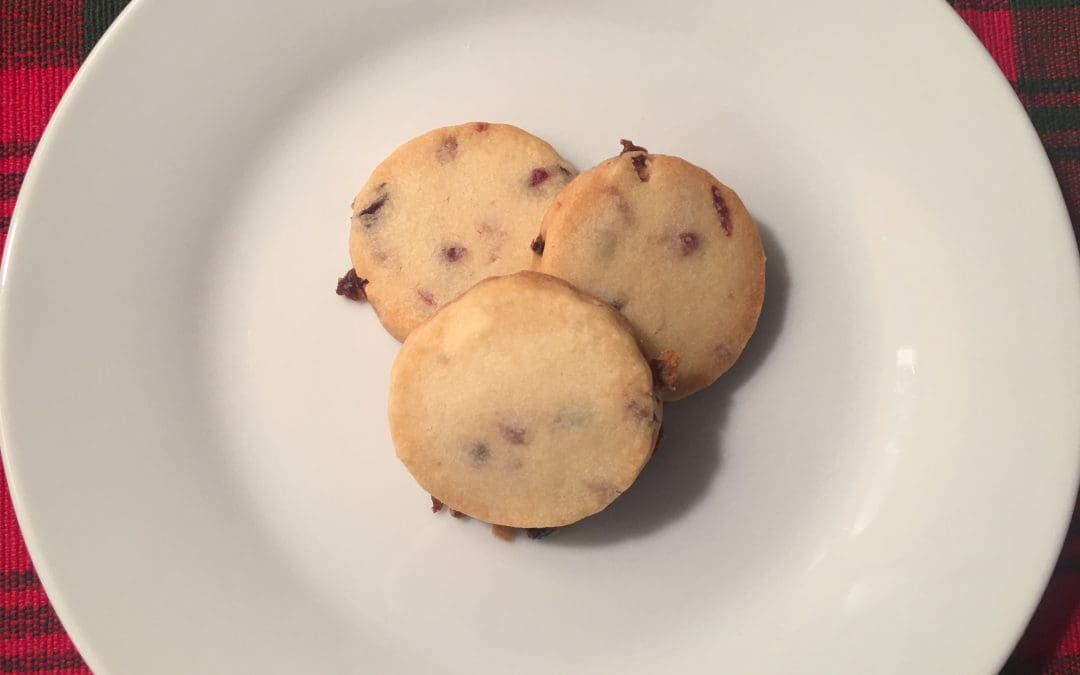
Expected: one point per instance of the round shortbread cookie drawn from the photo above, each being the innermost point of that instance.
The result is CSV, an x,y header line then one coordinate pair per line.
x,y
669,246
524,403
445,210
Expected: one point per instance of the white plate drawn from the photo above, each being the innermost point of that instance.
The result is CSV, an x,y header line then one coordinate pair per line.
x,y
194,424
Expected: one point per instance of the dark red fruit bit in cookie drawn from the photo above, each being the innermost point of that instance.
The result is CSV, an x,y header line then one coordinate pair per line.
x,y
603,489
436,505
454,253
640,167
721,210
622,205
479,453
503,532
539,532
426,296
538,245
481,126
517,435
538,177
628,146
642,412
352,286
457,514
688,242
448,150
369,211
665,370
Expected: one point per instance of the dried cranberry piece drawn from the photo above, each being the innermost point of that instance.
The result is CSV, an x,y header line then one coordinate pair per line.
x,y
479,453
454,253
665,370
538,176
628,146
688,242
352,286
426,296
373,208
721,210
448,150
517,435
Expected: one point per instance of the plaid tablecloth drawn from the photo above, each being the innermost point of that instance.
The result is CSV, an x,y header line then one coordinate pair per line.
x,y
42,42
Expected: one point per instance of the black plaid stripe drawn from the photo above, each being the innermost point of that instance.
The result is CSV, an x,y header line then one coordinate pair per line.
x,y
1049,85
980,5
1055,118
1048,55
17,148
1067,564
9,185
63,660
1043,665
36,33
25,579
97,15
1048,42
28,621
1021,5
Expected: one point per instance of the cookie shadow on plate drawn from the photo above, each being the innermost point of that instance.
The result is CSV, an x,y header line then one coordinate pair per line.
x,y
691,452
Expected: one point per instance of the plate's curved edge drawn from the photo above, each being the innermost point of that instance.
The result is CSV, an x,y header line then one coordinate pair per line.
x,y
11,244
1018,110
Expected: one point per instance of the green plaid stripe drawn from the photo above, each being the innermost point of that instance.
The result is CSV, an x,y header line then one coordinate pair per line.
x,y
97,15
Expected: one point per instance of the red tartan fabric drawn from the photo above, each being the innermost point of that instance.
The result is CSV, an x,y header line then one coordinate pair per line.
x,y
42,42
